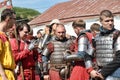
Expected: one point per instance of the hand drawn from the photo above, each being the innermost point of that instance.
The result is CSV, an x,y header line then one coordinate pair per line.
x,y
67,53
95,74
4,77
32,45
46,77
101,77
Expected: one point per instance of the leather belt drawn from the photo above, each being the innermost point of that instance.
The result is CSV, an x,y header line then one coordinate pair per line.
x,y
57,66
8,69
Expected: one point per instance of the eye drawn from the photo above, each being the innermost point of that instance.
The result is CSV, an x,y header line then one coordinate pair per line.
x,y
61,32
25,32
109,20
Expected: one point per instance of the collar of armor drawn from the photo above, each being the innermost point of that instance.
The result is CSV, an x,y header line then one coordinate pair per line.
x,y
63,40
105,31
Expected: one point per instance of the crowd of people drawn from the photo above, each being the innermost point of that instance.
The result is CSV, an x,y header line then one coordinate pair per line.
x,y
93,55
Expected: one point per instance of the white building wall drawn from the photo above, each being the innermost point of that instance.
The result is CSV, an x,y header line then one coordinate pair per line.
x,y
91,21
117,22
35,29
69,29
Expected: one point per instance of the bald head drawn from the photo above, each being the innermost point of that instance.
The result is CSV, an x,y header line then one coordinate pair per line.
x,y
60,26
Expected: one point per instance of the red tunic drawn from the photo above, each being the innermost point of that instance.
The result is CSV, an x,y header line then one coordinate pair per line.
x,y
79,72
27,58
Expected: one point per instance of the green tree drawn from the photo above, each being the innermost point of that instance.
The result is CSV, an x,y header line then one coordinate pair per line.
x,y
25,13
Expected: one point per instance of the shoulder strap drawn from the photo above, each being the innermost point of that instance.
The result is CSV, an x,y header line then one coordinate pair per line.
x,y
116,33
90,36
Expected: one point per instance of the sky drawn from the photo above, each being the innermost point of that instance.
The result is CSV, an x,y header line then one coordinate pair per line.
x,y
39,5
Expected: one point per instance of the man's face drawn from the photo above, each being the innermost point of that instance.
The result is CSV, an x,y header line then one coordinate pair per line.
x,y
11,23
107,22
11,31
10,27
23,34
60,32
78,30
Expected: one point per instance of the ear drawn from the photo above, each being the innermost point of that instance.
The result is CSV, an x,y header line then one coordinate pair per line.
x,y
7,19
101,21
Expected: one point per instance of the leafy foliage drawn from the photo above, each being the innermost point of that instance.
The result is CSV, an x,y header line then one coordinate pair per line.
x,y
25,13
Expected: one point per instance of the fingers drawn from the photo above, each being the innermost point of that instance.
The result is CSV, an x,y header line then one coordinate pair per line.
x,y
95,74
99,76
